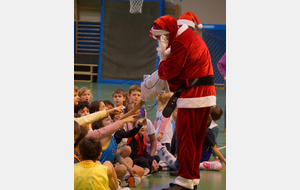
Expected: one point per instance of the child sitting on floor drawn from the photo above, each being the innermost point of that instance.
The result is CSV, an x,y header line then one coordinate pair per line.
x,y
82,108
90,174
110,153
209,145
139,153
216,114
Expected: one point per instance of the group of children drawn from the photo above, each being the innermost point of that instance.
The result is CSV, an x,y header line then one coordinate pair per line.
x,y
113,149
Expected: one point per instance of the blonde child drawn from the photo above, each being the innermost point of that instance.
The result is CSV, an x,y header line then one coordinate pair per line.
x,y
76,97
85,94
163,125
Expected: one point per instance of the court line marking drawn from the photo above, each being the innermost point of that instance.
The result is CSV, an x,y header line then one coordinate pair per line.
x,y
221,147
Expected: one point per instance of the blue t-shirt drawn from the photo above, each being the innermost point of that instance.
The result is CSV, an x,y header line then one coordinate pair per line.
x,y
109,153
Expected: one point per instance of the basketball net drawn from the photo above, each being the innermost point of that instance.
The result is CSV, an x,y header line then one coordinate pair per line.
x,y
136,6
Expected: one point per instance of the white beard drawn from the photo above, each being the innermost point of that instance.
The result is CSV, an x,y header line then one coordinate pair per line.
x,y
162,46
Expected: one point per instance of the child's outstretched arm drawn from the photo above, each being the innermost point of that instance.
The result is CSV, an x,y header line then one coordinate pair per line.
x,y
135,108
96,116
119,134
110,129
218,153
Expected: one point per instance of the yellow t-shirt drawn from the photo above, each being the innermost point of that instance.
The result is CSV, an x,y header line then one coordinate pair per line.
x,y
91,176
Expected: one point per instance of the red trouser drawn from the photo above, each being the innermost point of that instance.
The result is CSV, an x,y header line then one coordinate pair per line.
x,y
191,125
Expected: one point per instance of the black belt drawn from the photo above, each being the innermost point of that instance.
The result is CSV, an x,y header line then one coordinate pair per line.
x,y
203,81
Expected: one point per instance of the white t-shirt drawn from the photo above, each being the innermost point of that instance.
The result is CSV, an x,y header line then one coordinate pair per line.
x,y
167,136
150,128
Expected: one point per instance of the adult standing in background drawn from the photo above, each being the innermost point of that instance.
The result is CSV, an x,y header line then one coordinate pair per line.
x,y
222,69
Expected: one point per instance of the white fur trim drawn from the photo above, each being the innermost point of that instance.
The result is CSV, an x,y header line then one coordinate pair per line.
x,y
187,183
182,29
156,32
187,22
196,181
200,26
199,102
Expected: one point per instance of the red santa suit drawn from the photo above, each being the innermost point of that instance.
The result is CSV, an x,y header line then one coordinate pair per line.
x,y
189,59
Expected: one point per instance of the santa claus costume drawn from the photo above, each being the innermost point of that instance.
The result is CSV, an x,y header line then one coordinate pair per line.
x,y
189,58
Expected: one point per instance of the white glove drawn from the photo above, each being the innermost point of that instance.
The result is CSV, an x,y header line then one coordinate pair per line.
x,y
152,86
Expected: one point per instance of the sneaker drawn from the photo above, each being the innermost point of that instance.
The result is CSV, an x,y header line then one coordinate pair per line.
x,y
130,181
213,165
146,171
126,188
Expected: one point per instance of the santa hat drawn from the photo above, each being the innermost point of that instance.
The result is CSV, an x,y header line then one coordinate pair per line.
x,y
165,25
189,18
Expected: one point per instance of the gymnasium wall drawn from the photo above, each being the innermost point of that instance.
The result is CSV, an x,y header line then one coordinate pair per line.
x,y
212,14
208,11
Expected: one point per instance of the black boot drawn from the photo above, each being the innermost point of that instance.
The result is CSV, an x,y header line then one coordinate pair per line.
x,y
174,173
174,186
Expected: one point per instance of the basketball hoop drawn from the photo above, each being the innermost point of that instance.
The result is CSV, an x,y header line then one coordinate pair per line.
x,y
136,6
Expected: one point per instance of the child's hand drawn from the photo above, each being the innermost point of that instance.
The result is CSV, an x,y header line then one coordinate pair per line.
x,y
128,119
154,165
115,110
160,136
133,172
144,122
137,113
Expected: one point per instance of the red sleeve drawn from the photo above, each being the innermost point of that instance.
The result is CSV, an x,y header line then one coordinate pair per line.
x,y
172,66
